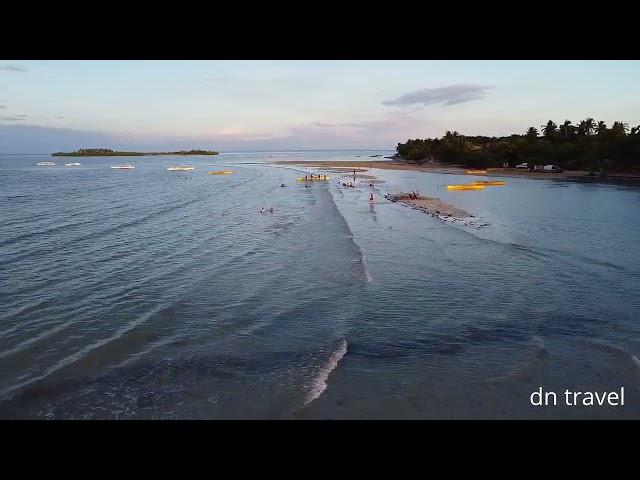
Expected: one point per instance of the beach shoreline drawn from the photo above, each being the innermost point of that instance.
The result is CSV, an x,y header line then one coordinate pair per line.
x,y
364,165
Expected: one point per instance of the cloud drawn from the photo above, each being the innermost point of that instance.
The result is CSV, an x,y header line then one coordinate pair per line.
x,y
15,118
13,68
59,116
380,133
3,106
447,96
340,125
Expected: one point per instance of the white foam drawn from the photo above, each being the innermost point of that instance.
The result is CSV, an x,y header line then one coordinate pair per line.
x,y
320,384
364,266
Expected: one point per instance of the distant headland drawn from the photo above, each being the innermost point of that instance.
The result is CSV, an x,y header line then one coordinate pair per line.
x,y
105,152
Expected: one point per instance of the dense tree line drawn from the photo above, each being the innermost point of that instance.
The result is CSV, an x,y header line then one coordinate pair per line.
x,y
589,145
106,152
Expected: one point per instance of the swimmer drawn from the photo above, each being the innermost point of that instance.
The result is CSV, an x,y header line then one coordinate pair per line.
x,y
371,197
271,210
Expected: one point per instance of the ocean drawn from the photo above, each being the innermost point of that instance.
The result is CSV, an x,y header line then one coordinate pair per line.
x,y
149,294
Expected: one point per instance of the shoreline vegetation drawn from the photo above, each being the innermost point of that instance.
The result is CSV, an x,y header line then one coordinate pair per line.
x,y
589,147
105,152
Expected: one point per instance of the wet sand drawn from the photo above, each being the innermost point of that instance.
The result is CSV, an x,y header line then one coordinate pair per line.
x,y
436,208
430,205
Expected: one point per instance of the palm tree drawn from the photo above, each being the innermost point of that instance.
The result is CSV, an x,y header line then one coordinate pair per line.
x,y
549,130
635,130
532,134
601,128
619,128
589,125
566,129
586,127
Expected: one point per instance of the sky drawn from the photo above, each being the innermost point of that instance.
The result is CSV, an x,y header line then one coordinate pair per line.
x,y
52,105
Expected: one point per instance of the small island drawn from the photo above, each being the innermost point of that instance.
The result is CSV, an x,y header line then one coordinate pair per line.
x,y
106,152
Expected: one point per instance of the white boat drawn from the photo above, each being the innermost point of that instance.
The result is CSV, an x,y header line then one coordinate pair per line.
x,y
179,169
123,167
72,164
46,164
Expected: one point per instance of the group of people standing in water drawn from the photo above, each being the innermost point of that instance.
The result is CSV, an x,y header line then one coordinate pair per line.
x,y
350,184
311,176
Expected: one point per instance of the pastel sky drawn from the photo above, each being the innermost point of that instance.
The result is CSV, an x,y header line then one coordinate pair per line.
x,y
261,105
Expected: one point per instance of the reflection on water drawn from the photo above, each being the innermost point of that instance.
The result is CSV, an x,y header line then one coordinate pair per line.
x,y
151,294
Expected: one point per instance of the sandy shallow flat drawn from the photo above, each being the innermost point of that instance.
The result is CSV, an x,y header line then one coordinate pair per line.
x,y
430,205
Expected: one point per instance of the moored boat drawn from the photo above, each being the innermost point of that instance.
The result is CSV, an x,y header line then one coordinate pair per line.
x,y
123,167
72,164
180,169
46,164
492,183
221,172
465,187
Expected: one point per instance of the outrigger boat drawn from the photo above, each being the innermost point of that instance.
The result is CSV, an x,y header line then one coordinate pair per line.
x,y
491,183
179,169
221,172
465,187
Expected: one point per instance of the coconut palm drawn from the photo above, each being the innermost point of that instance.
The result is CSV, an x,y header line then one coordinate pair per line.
x,y
601,128
549,130
589,125
566,130
532,134
586,127
619,128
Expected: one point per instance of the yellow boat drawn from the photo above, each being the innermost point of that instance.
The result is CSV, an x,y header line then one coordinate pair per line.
x,y
221,172
475,172
493,183
465,187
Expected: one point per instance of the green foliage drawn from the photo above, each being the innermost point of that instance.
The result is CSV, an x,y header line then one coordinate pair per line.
x,y
588,146
106,152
